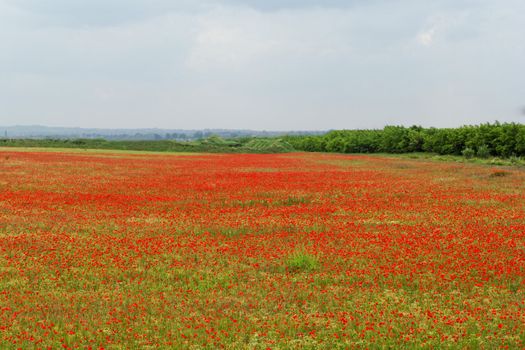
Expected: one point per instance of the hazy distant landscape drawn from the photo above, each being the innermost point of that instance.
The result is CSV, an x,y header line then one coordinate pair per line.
x,y
501,140
43,132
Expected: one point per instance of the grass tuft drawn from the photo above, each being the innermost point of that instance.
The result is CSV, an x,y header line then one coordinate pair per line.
x,y
301,261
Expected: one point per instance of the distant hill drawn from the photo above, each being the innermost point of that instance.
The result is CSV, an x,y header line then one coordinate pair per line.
x,y
46,132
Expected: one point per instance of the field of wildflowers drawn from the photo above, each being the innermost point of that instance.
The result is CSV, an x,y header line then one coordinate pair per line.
x,y
107,250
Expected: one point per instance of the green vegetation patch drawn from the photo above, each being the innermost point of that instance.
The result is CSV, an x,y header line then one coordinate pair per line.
x,y
212,144
269,145
484,141
301,261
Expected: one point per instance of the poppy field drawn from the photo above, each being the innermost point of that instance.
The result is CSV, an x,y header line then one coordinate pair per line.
x,y
106,250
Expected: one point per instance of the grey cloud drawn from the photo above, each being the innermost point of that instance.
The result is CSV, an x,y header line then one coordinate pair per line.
x,y
271,5
79,13
115,12
102,12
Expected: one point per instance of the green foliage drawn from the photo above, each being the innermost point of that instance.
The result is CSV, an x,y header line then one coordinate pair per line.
x,y
268,145
497,140
500,140
483,152
212,144
514,160
468,153
217,141
300,261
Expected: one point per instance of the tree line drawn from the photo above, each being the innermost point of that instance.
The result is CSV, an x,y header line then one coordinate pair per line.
x,y
484,140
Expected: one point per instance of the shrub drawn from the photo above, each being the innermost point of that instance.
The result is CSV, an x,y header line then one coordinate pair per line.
x,y
483,151
514,160
468,153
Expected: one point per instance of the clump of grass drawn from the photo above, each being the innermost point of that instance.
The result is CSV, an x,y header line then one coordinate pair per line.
x,y
301,261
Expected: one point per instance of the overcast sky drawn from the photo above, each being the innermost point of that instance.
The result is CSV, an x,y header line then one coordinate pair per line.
x,y
261,64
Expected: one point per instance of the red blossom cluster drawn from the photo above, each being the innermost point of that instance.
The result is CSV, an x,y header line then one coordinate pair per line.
x,y
103,250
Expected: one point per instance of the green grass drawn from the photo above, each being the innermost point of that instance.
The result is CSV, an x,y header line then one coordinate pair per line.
x,y
301,261
513,161
93,151
271,145
146,145
213,144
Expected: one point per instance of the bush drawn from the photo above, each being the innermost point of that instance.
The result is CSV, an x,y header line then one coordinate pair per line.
x,y
501,140
483,151
468,153
514,160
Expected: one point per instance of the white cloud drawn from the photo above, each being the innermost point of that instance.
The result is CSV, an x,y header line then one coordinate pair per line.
x,y
426,37
448,26
227,43
235,39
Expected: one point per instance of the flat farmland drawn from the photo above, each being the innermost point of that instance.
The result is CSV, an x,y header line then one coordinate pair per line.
x,y
121,250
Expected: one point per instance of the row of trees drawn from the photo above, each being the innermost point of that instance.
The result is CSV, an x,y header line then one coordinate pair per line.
x,y
503,140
